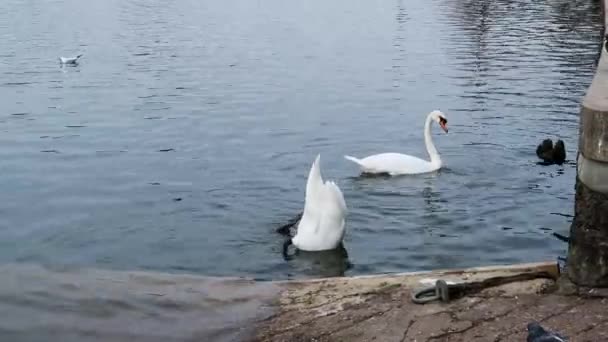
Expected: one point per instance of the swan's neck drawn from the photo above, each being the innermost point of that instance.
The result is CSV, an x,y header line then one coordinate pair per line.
x,y
428,141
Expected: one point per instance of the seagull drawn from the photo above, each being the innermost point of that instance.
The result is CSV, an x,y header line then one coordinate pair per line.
x,y
69,60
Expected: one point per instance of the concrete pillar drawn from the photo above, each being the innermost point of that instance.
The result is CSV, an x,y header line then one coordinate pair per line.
x,y
587,263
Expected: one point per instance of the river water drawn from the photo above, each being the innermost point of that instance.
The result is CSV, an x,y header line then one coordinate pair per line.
x,y
185,135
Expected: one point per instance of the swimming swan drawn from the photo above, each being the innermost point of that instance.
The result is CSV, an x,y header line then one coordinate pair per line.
x,y
402,164
322,225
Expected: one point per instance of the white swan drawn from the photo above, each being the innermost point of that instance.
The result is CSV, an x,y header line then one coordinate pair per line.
x,y
69,60
322,225
402,164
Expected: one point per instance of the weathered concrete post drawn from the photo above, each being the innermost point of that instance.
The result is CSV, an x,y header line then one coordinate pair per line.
x,y
587,264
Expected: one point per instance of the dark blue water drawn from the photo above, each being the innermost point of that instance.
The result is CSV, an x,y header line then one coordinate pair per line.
x,y
184,137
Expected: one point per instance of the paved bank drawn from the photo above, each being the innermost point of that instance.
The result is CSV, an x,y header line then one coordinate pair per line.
x,y
42,304
380,309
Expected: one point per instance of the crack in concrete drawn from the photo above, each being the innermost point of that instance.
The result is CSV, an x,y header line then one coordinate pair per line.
x,y
559,313
355,322
543,319
407,329
477,323
379,292
454,332
590,327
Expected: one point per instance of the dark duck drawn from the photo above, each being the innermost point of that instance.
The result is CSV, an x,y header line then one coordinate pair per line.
x,y
551,154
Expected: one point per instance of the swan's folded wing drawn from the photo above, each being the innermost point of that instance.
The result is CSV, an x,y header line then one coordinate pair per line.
x,y
327,208
334,209
396,163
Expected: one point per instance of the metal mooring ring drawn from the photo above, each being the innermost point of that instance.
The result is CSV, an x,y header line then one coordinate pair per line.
x,y
440,291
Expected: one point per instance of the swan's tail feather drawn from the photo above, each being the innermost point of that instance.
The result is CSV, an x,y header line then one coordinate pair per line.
x,y
353,159
315,180
319,191
336,194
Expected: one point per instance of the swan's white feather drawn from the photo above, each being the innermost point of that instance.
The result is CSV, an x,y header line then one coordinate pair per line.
x,y
322,225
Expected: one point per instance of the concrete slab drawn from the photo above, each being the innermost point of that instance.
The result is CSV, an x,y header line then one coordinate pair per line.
x,y
379,308
39,303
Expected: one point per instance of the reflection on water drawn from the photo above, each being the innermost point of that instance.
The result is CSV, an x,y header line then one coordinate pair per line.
x,y
185,135
432,199
52,304
332,263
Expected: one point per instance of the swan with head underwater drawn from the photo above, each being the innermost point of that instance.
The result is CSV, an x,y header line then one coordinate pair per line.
x,y
403,164
322,225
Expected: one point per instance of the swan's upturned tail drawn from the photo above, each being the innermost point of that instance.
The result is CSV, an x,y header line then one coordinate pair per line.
x,y
353,159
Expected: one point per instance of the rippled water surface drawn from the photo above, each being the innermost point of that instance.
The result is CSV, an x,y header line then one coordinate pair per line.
x,y
184,137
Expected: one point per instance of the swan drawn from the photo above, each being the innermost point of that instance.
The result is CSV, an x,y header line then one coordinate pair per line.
x,y
322,225
402,164
69,60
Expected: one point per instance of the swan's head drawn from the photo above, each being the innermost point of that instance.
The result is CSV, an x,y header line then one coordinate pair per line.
x,y
439,117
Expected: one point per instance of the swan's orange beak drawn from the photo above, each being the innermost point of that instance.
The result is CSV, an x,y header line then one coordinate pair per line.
x,y
444,126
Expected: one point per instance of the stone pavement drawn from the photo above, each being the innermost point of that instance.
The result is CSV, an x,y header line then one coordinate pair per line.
x,y
72,304
379,308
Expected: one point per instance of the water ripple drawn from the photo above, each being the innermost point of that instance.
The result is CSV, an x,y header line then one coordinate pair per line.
x,y
228,118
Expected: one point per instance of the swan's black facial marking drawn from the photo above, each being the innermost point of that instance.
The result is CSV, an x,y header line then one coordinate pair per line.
x,y
443,122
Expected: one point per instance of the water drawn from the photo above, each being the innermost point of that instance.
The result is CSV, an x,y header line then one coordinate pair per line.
x,y
184,137
42,304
